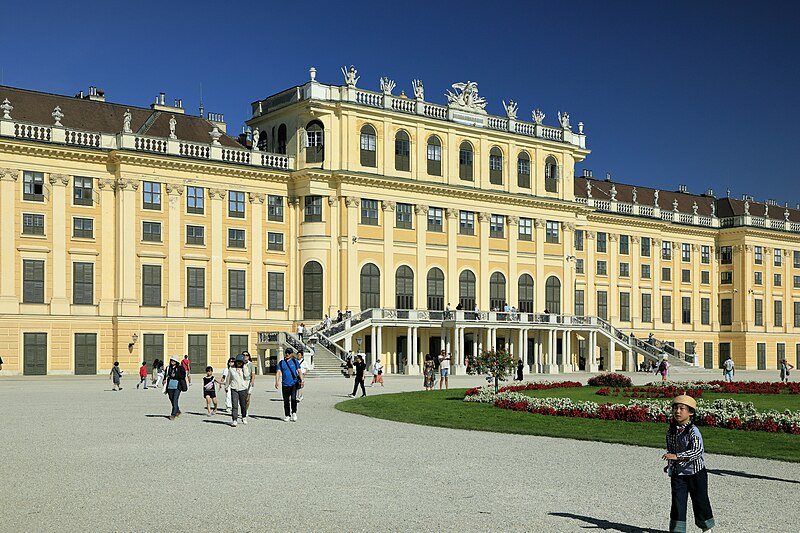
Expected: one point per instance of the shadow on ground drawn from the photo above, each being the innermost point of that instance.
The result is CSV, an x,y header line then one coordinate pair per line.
x,y
735,473
599,523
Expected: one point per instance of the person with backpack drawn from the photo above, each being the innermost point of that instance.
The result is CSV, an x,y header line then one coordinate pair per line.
x,y
728,369
289,378
663,368
175,377
116,377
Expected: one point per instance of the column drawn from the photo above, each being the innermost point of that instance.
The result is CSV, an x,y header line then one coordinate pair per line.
x,y
609,362
591,349
334,265
420,286
353,300
9,301
461,348
451,276
258,310
409,350
656,275
479,342
295,269
613,274
374,345
378,342
636,274
415,348
512,298
175,305
568,285
539,282
590,291
218,241
59,304
568,365
388,291
127,221
108,225
483,276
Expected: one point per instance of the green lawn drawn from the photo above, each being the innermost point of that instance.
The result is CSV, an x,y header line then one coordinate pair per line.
x,y
446,409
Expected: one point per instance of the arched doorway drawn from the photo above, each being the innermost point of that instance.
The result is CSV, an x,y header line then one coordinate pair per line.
x,y
466,290
404,288
435,289
312,291
552,295
525,293
370,287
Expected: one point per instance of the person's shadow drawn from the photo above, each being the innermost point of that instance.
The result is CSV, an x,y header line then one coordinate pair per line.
x,y
157,416
263,417
599,523
736,473
211,421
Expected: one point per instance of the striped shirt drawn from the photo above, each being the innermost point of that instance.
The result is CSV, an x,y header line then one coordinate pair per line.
x,y
687,443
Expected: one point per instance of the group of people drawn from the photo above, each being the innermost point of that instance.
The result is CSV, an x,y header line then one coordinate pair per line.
x,y
429,368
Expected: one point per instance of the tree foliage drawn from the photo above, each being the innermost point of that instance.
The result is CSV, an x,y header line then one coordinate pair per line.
x,y
498,364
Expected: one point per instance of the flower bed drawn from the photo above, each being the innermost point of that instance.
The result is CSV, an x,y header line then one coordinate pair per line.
x,y
734,387
610,380
651,392
479,393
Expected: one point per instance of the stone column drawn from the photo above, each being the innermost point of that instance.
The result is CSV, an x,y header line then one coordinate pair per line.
x,y
258,310
512,298
373,345
388,293
451,277
9,301
409,349
378,342
353,286
108,225
483,275
609,362
175,305
334,268
127,225
295,269
539,282
591,349
415,349
567,349
420,295
59,304
218,243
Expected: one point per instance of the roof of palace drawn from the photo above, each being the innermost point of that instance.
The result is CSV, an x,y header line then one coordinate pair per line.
x,y
105,117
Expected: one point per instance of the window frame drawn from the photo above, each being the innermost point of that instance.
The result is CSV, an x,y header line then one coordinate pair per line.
x,y
552,232
32,182
497,226
82,289
30,226
152,236
369,212
234,240
236,207
81,194
237,288
435,219
83,229
312,208
151,195
275,241
195,200
274,208
192,238
466,222
466,161
404,216
195,287
150,289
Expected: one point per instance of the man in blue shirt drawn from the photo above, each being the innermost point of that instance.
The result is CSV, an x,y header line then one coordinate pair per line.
x,y
289,378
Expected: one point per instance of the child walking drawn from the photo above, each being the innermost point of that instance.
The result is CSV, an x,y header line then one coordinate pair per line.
x,y
116,376
142,375
209,392
686,468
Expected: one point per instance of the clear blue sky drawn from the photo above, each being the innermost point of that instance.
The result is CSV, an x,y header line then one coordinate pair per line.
x,y
699,93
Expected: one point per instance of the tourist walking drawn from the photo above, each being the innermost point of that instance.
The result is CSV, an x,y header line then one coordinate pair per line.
x,y
116,377
728,369
249,371
359,366
175,377
520,367
225,372
428,369
289,378
155,371
236,383
1,363
210,391
301,330
142,375
160,374
377,373
663,368
785,367
349,367
187,367
444,370
304,368
686,467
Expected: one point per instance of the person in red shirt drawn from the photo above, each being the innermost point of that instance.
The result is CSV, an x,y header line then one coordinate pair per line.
x,y
142,375
187,367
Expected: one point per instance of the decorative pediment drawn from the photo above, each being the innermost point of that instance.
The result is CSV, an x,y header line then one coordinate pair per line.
x,y
466,97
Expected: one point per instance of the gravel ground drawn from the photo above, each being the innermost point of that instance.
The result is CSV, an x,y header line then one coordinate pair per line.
x,y
77,457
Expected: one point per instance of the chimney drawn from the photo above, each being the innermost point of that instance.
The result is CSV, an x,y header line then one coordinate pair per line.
x,y
218,119
95,95
709,192
160,105
683,188
587,173
608,176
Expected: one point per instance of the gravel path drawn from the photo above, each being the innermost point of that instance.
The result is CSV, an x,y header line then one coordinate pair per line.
x,y
79,458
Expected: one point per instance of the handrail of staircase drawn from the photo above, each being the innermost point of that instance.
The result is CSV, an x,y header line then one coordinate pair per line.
x,y
294,342
332,347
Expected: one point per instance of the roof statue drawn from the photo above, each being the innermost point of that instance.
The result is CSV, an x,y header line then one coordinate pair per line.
x,y
694,208
172,124
634,194
588,189
538,116
511,109
613,192
215,135
57,116
766,210
466,96
126,122
563,119
713,208
747,208
350,78
655,198
7,109
387,85
675,205
419,90
786,215
255,137
580,128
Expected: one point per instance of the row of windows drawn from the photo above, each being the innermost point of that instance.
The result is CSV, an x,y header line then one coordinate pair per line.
x,y
726,256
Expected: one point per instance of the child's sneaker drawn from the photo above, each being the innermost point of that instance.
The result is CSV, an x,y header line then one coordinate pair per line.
x,y
234,424
294,417
244,421
286,418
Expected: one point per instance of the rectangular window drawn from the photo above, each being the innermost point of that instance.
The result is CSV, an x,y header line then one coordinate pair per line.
x,y
778,304
579,240
796,314
236,204
313,210
758,312
624,245
602,269
705,277
497,226
780,352
726,312
274,241
275,291
83,228
32,224
235,238
666,309
625,306
796,255
602,241
153,346
238,344
195,287
666,274
686,275
708,355
726,278
647,307
275,208
195,235
624,270
151,285
778,257
551,234
466,223
726,255
645,248
602,304
705,311
403,216
236,289
758,278
761,355
796,282
525,229
83,283
435,215
33,186
151,196
32,281
758,254
686,310
369,212
195,200
580,310
402,153
151,231
666,250
579,266
777,280
645,271
686,252
705,254
81,190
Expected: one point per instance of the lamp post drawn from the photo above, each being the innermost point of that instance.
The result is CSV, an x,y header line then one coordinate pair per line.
x,y
359,340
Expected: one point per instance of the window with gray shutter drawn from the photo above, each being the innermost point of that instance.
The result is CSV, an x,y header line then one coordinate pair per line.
x,y
83,283
195,287
151,285
275,291
32,281
236,289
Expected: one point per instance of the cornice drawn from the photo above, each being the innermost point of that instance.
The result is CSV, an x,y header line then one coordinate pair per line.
x,y
54,151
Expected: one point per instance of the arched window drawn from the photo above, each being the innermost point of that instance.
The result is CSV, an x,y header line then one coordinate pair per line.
x,y
466,290
404,288
435,289
370,287
315,142
552,295
551,174
312,291
465,156
525,293
369,146
263,141
495,166
434,156
281,148
497,291
402,151
524,171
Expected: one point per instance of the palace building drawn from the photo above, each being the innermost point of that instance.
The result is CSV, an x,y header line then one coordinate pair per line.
x,y
133,233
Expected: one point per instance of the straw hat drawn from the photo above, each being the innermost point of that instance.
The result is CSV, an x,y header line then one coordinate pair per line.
x,y
175,358
685,400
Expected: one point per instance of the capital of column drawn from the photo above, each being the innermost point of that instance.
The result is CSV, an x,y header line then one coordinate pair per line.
x,y
483,216
569,226
216,194
333,201
173,189
613,237
539,223
352,201
107,183
59,179
635,239
513,220
590,235
257,197
695,247
388,205
451,213
127,183
421,209
9,174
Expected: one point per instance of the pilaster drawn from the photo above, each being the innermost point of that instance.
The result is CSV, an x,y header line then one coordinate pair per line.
x,y
59,304
258,310
388,207
218,242
294,270
175,306
127,233
335,265
451,292
539,281
9,301
422,227
513,276
482,298
108,224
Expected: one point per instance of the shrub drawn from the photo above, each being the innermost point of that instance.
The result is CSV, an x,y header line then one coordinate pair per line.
x,y
610,380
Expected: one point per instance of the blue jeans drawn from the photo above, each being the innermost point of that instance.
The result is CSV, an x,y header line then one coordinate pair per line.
x,y
729,375
174,394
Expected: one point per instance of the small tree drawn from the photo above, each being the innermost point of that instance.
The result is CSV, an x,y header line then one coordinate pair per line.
x,y
495,363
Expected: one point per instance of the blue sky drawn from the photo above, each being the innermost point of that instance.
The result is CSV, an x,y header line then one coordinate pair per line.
x,y
696,93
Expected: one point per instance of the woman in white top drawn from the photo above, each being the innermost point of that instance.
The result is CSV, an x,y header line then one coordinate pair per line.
x,y
304,368
377,373
225,372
